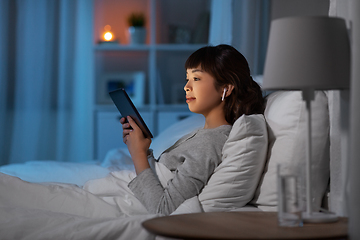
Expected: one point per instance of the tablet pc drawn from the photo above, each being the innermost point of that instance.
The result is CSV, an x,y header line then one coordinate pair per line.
x,y
126,108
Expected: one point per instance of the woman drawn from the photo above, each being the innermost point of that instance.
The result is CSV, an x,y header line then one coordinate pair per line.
x,y
219,86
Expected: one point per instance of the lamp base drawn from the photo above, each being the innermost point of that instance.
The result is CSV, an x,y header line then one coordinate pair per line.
x,y
319,217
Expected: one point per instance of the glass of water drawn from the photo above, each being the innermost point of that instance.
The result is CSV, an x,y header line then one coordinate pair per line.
x,y
290,191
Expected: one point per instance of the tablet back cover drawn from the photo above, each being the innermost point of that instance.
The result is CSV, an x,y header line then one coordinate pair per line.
x,y
126,108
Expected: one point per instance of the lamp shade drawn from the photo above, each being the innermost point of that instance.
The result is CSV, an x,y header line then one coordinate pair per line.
x,y
307,52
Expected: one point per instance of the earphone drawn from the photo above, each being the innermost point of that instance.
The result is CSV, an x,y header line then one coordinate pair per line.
x,y
223,96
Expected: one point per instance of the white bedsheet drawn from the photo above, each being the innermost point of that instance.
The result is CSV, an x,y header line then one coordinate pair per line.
x,y
54,171
30,224
103,208
66,211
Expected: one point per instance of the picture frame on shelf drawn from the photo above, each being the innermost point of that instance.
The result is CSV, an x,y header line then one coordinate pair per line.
x,y
132,82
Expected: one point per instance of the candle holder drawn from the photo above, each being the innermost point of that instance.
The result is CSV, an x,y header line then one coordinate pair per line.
x,y
107,36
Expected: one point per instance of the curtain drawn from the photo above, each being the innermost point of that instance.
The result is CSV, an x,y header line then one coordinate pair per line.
x,y
220,31
347,201
350,9
339,133
46,80
243,24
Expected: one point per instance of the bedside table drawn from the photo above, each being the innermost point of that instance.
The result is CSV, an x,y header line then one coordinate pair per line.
x,y
240,225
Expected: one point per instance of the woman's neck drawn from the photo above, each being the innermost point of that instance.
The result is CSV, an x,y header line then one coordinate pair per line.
x,y
215,121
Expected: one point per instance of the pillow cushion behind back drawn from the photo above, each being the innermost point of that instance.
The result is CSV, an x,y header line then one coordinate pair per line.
x,y
286,120
234,181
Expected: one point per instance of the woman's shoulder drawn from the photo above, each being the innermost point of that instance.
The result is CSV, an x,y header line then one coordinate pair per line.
x,y
221,129
220,133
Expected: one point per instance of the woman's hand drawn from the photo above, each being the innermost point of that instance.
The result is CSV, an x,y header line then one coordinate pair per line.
x,y
137,144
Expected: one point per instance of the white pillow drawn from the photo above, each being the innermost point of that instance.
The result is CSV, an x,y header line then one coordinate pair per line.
x,y
235,180
285,116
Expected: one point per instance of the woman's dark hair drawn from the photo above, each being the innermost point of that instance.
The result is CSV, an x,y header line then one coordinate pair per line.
x,y
229,66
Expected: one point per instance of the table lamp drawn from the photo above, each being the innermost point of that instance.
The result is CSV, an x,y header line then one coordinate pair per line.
x,y
308,54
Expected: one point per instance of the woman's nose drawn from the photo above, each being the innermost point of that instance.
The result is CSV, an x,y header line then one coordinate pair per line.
x,y
187,87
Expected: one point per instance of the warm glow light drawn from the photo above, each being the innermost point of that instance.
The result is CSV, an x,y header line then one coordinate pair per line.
x,y
108,36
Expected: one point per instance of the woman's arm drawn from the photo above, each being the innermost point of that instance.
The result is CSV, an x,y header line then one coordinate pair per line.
x,y
137,144
190,177
197,158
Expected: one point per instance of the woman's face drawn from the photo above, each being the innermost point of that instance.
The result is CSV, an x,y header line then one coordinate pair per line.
x,y
201,95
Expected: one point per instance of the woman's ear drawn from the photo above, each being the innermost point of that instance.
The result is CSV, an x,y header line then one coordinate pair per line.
x,y
229,90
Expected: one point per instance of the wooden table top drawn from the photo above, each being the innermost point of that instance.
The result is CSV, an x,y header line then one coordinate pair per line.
x,y
240,225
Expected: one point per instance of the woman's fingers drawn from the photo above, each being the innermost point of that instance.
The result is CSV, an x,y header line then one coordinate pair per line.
x,y
126,126
126,132
133,124
129,127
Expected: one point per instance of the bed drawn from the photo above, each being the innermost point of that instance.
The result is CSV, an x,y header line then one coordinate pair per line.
x,y
90,200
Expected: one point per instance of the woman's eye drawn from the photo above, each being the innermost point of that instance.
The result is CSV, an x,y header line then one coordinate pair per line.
x,y
196,79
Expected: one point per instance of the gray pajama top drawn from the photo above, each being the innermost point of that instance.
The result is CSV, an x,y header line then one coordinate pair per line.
x,y
193,159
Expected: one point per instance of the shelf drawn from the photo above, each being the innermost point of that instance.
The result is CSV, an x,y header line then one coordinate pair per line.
x,y
120,47
161,62
157,47
178,47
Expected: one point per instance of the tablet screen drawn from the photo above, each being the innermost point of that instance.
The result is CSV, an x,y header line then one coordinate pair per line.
x,y
126,108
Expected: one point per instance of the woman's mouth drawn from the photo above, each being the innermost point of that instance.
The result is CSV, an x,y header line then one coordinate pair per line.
x,y
190,99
